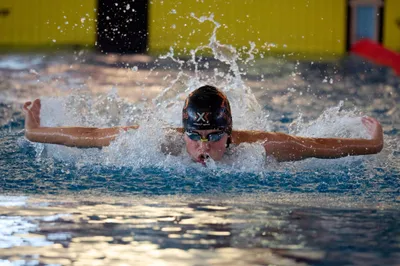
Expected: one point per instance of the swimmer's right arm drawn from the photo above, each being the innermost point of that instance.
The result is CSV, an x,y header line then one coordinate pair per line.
x,y
83,137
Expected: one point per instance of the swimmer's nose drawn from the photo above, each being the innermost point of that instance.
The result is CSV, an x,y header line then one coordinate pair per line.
x,y
204,145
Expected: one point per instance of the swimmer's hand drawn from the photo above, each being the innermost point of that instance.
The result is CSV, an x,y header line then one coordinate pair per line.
x,y
374,129
83,137
32,114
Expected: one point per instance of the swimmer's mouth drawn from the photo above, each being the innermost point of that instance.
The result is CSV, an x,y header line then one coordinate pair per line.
x,y
202,158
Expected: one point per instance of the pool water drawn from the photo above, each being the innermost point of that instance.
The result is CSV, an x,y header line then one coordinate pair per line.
x,y
129,204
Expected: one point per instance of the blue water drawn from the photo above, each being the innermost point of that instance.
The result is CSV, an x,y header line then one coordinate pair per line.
x,y
61,210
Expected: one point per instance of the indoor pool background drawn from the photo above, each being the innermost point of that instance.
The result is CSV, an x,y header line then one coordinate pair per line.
x,y
130,204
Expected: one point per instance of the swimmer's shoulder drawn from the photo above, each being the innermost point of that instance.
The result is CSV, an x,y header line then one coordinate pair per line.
x,y
176,129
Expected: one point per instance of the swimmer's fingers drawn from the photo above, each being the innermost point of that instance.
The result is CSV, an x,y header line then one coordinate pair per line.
x,y
32,114
26,105
373,126
36,104
35,109
369,121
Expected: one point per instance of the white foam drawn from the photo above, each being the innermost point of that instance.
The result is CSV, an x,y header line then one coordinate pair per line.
x,y
333,122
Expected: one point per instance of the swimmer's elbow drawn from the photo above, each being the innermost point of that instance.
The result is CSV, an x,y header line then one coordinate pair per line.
x,y
88,138
284,151
96,137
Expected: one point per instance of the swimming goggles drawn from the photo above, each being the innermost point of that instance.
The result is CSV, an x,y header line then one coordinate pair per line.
x,y
215,136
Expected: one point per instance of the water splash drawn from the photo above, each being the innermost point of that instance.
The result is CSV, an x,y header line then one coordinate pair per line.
x,y
333,122
247,112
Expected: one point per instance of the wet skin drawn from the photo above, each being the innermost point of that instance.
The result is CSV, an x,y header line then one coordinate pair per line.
x,y
199,151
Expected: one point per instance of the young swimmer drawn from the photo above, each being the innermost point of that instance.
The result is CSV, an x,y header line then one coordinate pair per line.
x,y
207,132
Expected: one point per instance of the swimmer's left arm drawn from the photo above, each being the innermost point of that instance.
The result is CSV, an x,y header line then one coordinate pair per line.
x,y
284,147
83,137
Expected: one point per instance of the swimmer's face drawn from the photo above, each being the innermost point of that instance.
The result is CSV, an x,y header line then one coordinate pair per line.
x,y
201,150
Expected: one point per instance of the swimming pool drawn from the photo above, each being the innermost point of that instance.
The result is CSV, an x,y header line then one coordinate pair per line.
x,y
129,203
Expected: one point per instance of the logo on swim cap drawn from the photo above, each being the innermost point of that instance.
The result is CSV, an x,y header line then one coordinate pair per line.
x,y
202,118
207,108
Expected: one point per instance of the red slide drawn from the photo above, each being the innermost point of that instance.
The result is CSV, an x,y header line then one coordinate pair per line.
x,y
377,53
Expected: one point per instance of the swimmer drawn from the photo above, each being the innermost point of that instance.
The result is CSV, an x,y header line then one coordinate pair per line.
x,y
207,133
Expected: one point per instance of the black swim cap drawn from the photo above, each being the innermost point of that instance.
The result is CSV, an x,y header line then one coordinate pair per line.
x,y
207,108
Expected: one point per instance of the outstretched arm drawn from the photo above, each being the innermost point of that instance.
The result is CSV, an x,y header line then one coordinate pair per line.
x,y
84,137
284,147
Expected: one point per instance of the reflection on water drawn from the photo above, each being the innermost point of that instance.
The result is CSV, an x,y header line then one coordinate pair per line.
x,y
91,230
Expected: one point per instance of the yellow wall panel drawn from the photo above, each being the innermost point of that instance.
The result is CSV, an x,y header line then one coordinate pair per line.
x,y
301,26
391,30
48,22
